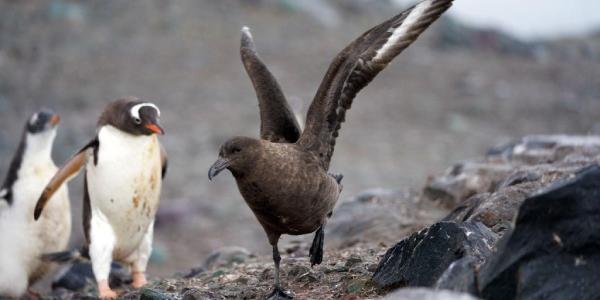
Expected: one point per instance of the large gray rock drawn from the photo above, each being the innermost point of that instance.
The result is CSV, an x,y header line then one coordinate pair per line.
x,y
553,252
542,149
464,180
492,189
79,277
427,294
491,192
424,257
379,215
495,210
538,160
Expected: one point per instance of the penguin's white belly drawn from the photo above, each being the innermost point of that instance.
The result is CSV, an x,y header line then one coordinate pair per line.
x,y
53,229
23,240
124,186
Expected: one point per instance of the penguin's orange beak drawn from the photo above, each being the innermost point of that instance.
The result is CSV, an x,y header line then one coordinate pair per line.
x,y
155,128
55,119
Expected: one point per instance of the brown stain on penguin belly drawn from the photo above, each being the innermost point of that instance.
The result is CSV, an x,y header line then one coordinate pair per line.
x,y
136,199
145,185
153,179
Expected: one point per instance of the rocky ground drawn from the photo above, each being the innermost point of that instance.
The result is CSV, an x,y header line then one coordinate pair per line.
x,y
520,222
345,273
448,97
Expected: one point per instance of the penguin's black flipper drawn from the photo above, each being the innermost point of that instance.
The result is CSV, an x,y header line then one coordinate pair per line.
x,y
61,257
164,160
316,249
66,256
68,171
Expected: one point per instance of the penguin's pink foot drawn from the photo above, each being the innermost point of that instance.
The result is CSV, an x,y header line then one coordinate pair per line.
x,y
105,292
139,279
32,294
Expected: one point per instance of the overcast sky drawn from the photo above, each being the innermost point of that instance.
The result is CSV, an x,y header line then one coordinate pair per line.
x,y
530,18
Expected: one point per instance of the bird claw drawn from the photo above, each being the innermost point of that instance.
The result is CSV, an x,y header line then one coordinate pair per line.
x,y
280,294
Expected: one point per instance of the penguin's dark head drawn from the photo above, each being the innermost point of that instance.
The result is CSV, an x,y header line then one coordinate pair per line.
x,y
133,116
238,155
42,121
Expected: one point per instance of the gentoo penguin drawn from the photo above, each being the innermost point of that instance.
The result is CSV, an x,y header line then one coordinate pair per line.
x,y
22,240
283,175
124,166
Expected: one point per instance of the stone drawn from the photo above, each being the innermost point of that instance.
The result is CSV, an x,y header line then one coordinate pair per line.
x,y
356,285
464,180
459,276
80,277
538,160
309,277
521,176
379,215
297,270
194,272
426,294
352,261
553,252
196,294
152,294
422,258
495,210
500,208
226,257
465,210
337,268
218,273
75,278
562,276
539,149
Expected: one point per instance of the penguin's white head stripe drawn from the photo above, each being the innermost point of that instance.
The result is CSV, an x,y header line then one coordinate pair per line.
x,y
135,110
3,193
34,118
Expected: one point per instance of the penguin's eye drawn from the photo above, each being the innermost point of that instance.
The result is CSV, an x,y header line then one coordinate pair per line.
x,y
137,121
235,150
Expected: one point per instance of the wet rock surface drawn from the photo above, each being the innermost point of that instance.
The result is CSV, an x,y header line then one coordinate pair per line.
x,y
427,294
379,215
491,190
79,277
424,257
550,185
554,250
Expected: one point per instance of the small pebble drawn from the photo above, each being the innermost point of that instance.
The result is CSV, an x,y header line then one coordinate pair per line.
x,y
151,294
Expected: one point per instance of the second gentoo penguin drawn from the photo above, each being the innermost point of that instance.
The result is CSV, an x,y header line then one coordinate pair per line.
x,y
22,240
124,165
283,175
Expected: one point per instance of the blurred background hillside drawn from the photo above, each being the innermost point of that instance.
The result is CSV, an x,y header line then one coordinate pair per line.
x,y
456,91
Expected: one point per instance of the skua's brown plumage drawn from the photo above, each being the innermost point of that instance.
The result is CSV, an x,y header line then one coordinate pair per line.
x,y
283,175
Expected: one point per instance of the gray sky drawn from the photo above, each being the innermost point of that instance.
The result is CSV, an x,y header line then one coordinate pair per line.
x,y
530,18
